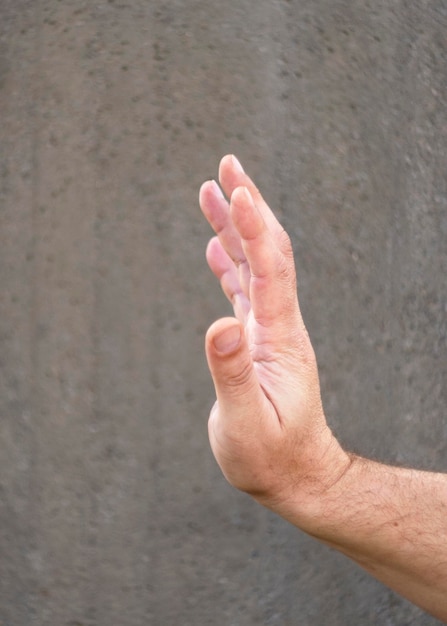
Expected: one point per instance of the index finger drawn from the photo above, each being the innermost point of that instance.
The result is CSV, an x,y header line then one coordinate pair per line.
x,y
272,289
231,176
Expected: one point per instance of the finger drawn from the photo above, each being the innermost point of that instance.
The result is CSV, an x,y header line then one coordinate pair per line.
x,y
238,391
232,175
273,295
224,269
217,212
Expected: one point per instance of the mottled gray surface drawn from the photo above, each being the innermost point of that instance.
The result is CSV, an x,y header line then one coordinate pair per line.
x,y
112,510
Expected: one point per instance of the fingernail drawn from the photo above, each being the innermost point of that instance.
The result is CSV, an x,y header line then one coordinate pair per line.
x,y
228,340
248,195
217,190
237,166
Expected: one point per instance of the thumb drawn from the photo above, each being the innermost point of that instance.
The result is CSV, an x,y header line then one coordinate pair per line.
x,y
237,388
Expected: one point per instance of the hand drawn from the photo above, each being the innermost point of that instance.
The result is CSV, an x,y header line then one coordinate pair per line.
x,y
267,428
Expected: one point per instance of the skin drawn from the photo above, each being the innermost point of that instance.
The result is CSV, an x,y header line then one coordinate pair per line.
x,y
268,430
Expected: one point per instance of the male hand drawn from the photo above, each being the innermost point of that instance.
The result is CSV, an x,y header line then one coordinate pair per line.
x,y
267,428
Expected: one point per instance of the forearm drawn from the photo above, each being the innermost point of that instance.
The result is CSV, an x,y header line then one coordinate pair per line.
x,y
392,522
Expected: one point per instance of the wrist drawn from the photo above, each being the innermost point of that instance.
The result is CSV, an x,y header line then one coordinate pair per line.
x,y
315,477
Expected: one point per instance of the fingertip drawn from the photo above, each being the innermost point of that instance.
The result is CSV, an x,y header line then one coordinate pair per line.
x,y
236,164
224,337
230,166
213,244
216,256
246,216
203,193
242,194
210,189
225,161
203,187
228,340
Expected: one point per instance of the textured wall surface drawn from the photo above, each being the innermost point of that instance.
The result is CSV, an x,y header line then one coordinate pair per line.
x,y
112,509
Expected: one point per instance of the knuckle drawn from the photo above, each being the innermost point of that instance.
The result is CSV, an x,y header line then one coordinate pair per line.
x,y
240,379
285,244
285,270
285,262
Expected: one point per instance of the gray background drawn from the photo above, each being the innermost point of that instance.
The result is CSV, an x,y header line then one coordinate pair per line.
x,y
112,509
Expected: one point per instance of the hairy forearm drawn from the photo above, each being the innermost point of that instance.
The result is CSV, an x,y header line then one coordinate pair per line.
x,y
391,521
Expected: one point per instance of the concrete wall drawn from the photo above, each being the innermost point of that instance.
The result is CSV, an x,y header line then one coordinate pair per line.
x,y
112,510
